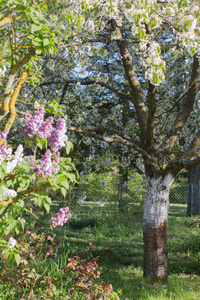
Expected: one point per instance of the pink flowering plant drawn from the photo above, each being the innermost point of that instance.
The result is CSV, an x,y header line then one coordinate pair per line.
x,y
27,178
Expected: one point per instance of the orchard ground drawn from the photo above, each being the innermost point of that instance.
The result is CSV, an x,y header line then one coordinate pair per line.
x,y
119,244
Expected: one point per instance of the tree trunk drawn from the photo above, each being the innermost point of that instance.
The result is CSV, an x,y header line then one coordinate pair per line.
x,y
155,221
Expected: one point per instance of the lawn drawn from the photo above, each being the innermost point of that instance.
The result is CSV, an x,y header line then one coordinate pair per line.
x,y
118,239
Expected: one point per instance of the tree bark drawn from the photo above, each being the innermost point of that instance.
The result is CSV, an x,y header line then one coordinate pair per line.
x,y
155,221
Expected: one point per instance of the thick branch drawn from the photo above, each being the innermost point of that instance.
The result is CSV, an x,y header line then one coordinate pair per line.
x,y
183,163
13,101
195,144
135,86
185,110
125,140
151,114
9,85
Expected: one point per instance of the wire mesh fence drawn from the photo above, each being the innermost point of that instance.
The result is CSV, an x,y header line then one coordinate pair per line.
x,y
127,199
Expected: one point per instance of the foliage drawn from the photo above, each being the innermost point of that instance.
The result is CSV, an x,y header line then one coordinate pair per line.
x,y
37,276
83,275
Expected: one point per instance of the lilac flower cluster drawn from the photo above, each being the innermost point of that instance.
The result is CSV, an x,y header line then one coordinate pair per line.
x,y
47,166
58,136
3,146
35,126
61,217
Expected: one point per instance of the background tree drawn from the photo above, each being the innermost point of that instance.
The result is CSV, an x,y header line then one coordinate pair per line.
x,y
152,47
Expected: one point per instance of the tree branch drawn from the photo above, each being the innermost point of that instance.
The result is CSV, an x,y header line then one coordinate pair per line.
x,y
123,139
90,82
150,118
195,144
185,110
9,85
13,101
134,84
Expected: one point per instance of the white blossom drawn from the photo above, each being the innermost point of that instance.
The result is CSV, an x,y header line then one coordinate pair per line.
x,y
16,161
11,243
8,193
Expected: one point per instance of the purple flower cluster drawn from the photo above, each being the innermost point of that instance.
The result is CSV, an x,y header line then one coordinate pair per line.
x,y
58,136
3,146
47,166
36,124
45,130
61,217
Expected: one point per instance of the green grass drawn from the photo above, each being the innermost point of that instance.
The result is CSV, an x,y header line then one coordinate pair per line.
x,y
124,270
122,264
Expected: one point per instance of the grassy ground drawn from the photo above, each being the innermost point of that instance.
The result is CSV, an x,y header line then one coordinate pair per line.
x,y
118,239
122,265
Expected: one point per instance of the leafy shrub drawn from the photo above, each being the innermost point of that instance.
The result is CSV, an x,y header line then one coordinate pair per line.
x,y
83,274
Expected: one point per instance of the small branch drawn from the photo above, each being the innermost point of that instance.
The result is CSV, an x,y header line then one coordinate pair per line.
x,y
90,82
102,40
31,213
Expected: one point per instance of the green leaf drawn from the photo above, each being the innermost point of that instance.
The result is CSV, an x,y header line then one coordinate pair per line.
x,y
1,190
46,42
69,147
47,207
10,258
17,229
63,191
40,143
17,258
38,51
35,28
137,20
65,184
2,174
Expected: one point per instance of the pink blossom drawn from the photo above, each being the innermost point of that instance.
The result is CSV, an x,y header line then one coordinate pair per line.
x,y
3,146
58,136
45,129
33,123
61,217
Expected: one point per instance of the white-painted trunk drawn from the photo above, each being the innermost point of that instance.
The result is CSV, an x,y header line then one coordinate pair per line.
x,y
155,221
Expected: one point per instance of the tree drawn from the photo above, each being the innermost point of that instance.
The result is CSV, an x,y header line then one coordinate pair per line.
x,y
152,46
150,53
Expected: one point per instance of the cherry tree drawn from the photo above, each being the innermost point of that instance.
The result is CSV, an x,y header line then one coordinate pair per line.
x,y
140,61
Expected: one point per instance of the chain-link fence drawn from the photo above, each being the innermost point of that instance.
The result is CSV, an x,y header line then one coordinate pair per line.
x,y
187,197
127,199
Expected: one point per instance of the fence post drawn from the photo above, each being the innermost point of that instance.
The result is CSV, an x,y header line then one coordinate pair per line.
x,y
192,200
